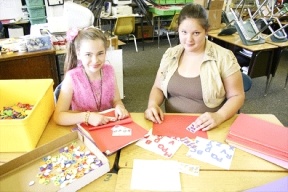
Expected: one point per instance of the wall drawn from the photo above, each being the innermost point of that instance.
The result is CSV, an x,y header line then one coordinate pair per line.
x,y
54,11
10,9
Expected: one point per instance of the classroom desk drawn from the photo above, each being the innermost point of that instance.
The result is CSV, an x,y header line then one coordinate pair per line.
x,y
247,171
282,47
256,69
210,180
242,161
23,23
51,132
29,65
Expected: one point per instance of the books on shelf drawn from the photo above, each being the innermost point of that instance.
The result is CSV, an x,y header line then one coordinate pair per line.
x,y
261,138
109,141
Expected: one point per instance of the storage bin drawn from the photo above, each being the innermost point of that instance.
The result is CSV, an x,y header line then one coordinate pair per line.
x,y
162,10
169,2
37,20
36,11
37,43
34,2
22,135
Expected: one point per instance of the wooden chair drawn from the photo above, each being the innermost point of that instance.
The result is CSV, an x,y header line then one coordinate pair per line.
x,y
125,25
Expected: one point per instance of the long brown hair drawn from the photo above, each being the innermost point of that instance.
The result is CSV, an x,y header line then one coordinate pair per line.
x,y
90,33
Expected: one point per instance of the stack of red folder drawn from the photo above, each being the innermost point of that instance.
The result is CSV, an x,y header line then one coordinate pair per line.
x,y
261,138
102,135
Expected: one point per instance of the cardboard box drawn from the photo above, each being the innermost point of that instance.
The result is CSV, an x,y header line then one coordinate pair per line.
x,y
214,13
216,5
26,168
113,41
200,2
214,18
22,135
147,31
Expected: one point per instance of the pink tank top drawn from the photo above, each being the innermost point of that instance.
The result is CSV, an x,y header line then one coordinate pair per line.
x,y
82,99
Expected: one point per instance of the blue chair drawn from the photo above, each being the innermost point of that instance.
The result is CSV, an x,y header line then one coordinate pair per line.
x,y
57,92
247,82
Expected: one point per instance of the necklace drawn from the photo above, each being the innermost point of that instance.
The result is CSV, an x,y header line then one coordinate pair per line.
x,y
97,96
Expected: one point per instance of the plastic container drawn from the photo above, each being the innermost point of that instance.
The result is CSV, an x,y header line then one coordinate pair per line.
x,y
37,20
22,135
37,43
34,2
36,11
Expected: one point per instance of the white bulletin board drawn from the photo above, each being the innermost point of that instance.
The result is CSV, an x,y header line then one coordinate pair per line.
x,y
10,9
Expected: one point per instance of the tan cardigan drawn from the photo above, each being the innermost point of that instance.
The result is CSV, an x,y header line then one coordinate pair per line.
x,y
218,63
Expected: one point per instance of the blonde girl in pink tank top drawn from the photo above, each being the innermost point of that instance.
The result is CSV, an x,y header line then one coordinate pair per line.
x,y
89,84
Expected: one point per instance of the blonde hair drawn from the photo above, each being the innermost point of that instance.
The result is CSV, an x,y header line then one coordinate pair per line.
x,y
90,33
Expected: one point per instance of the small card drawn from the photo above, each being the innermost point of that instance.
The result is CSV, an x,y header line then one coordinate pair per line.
x,y
191,128
119,130
191,144
189,169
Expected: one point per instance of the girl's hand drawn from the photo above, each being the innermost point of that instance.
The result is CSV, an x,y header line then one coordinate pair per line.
x,y
96,119
208,121
121,112
155,114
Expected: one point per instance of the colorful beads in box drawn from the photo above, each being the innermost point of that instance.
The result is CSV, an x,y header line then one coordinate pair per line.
x,y
71,163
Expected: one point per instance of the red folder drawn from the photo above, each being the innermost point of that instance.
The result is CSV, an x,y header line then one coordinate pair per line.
x,y
175,126
102,135
259,135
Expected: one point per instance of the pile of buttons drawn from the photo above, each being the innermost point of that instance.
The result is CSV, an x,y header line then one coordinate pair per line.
x,y
69,164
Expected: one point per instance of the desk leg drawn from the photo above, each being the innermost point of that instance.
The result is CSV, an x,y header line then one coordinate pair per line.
x,y
58,67
275,62
142,33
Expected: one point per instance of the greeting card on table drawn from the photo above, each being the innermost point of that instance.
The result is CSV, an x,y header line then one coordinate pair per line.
x,y
176,126
212,152
162,145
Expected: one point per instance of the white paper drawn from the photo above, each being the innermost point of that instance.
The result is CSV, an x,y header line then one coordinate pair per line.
x,y
115,58
213,152
162,145
155,175
119,130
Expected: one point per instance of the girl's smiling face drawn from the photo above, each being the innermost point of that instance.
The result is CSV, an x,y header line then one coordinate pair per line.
x,y
192,35
92,54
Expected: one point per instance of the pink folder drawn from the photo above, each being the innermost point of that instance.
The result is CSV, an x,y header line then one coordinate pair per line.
x,y
259,135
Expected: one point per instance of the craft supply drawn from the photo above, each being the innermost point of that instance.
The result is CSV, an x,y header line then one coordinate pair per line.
x,y
70,163
18,111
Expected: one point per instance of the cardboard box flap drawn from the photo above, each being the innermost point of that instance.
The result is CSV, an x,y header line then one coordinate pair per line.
x,y
25,168
215,4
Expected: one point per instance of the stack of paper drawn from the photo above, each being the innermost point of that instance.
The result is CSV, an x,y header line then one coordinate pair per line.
x,y
261,138
114,135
